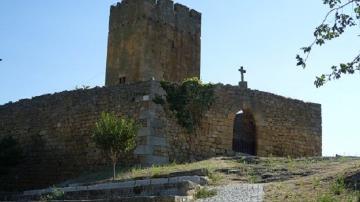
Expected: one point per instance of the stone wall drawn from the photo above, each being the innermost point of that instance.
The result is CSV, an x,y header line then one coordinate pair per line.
x,y
280,123
54,131
153,39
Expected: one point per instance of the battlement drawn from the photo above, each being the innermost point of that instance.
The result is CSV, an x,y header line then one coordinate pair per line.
x,y
166,12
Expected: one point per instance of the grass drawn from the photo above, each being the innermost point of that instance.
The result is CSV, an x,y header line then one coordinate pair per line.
x,y
152,172
316,182
325,182
286,179
338,186
215,178
325,198
155,171
205,193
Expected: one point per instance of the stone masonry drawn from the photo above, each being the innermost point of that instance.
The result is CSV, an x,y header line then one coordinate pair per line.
x,y
152,39
280,124
55,130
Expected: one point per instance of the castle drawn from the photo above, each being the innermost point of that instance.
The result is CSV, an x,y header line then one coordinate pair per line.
x,y
150,41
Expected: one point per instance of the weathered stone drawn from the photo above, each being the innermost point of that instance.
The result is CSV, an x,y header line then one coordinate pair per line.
x,y
147,41
352,180
123,190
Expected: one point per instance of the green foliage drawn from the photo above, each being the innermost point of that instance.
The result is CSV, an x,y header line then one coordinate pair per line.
x,y
356,196
159,100
344,17
189,100
338,187
205,193
215,177
10,154
115,136
56,194
326,198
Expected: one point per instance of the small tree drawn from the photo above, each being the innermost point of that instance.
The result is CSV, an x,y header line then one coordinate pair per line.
x,y
115,136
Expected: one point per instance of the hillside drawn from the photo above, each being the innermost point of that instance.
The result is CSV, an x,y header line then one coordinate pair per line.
x,y
240,178
284,179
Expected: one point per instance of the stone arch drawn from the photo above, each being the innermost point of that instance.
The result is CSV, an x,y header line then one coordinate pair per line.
x,y
244,133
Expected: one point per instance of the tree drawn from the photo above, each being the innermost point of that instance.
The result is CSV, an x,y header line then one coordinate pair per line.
x,y
345,14
115,136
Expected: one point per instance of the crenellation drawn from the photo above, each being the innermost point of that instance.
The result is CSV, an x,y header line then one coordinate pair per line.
x,y
165,12
181,10
196,15
182,18
161,11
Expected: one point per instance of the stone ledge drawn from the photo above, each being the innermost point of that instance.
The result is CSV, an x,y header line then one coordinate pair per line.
x,y
179,186
144,184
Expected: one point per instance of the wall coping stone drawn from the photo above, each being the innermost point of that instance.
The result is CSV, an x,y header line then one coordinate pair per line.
x,y
200,180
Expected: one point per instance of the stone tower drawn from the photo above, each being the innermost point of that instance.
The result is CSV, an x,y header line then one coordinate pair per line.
x,y
152,39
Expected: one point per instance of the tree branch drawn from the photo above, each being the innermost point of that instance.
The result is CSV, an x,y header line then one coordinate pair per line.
x,y
323,23
328,31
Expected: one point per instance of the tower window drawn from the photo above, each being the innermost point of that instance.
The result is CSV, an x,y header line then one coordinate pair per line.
x,y
122,80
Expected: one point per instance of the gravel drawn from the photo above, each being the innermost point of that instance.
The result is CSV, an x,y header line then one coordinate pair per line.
x,y
237,193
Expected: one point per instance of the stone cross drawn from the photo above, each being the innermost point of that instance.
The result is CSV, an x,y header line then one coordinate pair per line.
x,y
242,71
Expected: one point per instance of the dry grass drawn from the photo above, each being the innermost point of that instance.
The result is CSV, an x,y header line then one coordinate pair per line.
x,y
324,184
150,172
286,179
154,171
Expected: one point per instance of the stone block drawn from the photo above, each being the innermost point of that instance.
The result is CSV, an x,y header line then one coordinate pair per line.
x,y
156,160
143,150
158,141
144,131
159,181
139,183
173,180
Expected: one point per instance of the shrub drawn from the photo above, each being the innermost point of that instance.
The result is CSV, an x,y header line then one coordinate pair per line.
x,y
205,193
338,186
215,177
55,194
189,101
115,136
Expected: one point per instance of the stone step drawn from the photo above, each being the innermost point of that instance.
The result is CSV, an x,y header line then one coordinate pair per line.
x,y
136,199
160,187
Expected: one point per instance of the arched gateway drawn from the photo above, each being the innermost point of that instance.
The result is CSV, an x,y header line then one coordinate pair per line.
x,y
244,133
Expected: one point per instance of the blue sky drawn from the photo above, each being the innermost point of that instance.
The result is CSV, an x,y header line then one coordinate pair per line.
x,y
51,46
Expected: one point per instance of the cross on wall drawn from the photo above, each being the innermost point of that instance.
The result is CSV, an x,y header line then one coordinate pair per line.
x,y
242,71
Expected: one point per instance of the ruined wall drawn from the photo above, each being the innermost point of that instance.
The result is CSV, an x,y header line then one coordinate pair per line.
x,y
284,127
54,131
153,39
